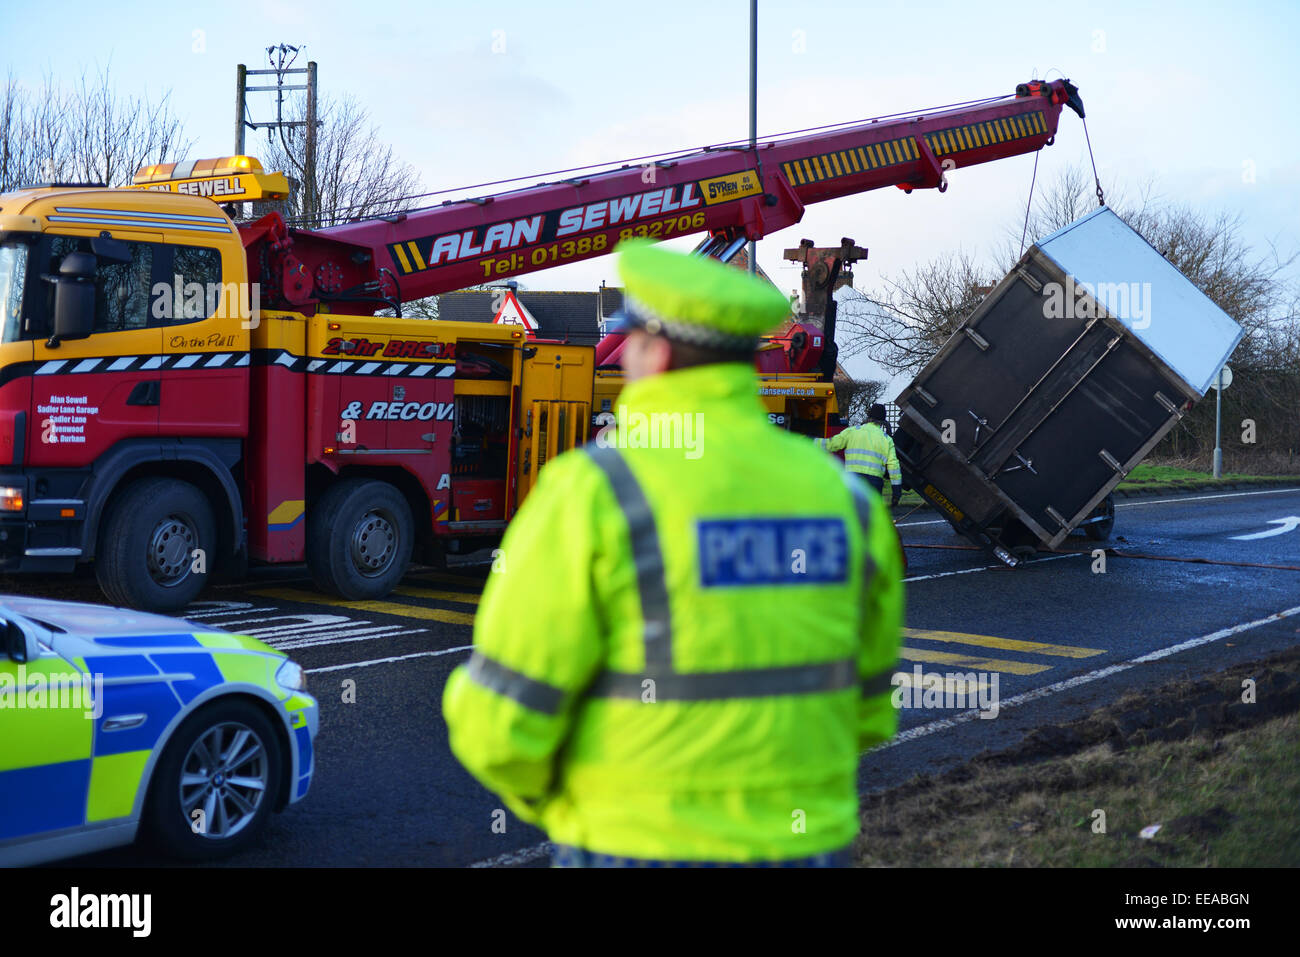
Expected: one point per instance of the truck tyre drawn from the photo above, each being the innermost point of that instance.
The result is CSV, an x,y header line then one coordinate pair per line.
x,y
224,762
156,546
1100,531
359,539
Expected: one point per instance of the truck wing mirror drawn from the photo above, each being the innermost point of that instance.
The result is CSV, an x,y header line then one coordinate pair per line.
x,y
74,298
107,249
15,638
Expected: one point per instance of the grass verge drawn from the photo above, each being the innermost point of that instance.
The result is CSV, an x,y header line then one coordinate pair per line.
x,y
1220,776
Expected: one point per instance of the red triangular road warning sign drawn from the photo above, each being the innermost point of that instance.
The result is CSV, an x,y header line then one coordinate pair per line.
x,y
513,313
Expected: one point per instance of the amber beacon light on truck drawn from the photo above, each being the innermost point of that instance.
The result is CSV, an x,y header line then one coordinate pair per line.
x,y
227,179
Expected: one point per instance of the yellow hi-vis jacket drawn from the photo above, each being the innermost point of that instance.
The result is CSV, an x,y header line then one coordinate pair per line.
x,y
868,450
684,650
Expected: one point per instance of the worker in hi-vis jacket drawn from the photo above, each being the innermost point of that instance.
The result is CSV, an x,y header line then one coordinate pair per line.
x,y
869,452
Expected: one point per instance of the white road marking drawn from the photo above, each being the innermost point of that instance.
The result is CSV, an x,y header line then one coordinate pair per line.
x,y
301,630
210,616
210,609
306,623
985,568
943,724
960,571
1285,525
363,631
1205,498
521,856
364,634
1159,501
384,661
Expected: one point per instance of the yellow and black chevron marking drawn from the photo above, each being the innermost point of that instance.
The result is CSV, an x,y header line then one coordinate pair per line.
x,y
407,256
814,169
974,135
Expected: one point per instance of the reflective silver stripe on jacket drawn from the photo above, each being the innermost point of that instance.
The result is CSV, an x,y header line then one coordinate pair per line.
x,y
537,695
717,685
646,554
660,682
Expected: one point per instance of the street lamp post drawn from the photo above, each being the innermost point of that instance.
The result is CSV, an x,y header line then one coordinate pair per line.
x,y
753,106
1218,416
1221,382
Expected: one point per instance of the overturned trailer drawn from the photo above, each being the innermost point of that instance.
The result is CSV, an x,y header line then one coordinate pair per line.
x,y
1067,374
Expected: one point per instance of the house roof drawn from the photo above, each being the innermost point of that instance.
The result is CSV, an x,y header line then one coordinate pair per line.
x,y
559,315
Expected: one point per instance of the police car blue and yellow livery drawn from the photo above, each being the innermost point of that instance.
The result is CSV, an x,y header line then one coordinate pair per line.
x,y
115,723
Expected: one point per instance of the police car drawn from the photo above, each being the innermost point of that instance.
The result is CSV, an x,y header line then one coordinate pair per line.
x,y
116,724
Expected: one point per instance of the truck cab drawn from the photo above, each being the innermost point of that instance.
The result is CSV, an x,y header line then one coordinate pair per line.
x,y
124,355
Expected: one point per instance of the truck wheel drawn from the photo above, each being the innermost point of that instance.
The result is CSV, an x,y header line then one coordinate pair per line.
x,y
146,557
216,783
1100,531
359,538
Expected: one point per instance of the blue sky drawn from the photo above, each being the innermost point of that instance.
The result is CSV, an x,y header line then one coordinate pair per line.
x,y
1190,97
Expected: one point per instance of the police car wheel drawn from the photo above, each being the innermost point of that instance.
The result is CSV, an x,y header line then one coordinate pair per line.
x,y
156,545
359,539
216,783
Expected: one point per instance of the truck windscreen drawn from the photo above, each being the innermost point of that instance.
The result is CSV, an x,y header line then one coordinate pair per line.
x,y
13,275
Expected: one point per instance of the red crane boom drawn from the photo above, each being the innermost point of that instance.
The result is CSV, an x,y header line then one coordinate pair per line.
x,y
732,192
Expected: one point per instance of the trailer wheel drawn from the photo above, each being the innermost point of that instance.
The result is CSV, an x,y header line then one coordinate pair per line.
x,y
156,546
359,538
1099,531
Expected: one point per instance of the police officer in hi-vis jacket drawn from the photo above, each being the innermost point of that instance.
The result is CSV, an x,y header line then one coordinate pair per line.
x,y
687,646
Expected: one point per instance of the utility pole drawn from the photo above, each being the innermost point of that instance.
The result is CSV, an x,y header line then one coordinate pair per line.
x,y
753,108
241,90
309,158
281,58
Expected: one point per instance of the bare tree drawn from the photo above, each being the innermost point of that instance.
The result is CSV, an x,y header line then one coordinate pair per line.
x,y
357,175
903,324
855,396
86,132
426,308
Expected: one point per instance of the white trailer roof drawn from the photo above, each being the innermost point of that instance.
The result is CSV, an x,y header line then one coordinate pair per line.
x,y
1141,289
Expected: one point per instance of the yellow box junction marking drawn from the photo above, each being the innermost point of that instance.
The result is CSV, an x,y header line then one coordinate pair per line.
x,y
436,595
399,609
952,684
971,663
449,578
1004,644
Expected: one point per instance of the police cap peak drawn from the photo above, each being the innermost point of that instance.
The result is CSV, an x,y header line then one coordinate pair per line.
x,y
695,299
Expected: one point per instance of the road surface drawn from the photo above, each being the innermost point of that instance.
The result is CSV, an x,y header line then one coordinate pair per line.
x,y
1054,638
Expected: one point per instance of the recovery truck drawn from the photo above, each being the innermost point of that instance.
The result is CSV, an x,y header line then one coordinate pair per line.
x,y
181,393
